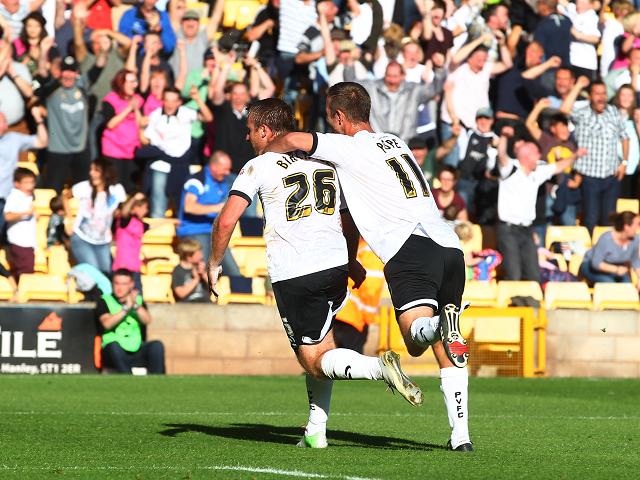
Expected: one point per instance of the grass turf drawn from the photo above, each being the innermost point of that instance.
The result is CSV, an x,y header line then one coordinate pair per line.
x,y
199,427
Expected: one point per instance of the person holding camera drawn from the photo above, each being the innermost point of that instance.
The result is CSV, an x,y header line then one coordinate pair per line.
x,y
123,318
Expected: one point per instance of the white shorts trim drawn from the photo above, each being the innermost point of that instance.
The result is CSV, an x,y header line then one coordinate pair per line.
x,y
422,301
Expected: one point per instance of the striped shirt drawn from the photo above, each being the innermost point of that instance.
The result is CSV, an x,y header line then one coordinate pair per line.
x,y
600,135
295,17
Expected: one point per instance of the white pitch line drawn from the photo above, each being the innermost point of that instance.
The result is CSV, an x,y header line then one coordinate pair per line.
x,y
235,468
333,414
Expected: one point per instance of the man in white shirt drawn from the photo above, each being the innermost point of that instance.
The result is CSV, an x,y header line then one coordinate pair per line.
x,y
519,182
169,131
308,262
392,207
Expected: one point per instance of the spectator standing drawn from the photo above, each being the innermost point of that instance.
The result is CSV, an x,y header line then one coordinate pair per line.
x,y
586,34
625,101
98,198
168,140
628,75
196,40
123,318
599,129
519,182
230,116
203,197
394,101
68,123
612,31
265,30
616,253
15,84
553,31
129,231
122,118
144,18
189,278
20,216
15,11
468,89
11,144
28,44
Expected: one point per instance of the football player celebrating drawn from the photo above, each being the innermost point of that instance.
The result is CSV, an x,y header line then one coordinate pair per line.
x,y
308,261
392,207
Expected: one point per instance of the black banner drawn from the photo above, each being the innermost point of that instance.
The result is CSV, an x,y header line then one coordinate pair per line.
x,y
47,338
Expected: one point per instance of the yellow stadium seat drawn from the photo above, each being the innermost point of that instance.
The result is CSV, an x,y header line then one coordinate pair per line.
x,y
628,204
153,252
41,200
567,295
73,206
619,296
481,293
43,287
561,261
162,265
29,166
58,260
496,342
40,264
258,294
157,288
41,231
476,240
3,259
6,289
568,234
160,233
574,264
508,289
252,260
597,233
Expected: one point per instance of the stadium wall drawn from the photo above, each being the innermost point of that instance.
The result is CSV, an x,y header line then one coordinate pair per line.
x,y
249,339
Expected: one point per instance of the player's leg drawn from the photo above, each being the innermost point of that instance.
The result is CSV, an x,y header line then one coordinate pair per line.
x,y
454,377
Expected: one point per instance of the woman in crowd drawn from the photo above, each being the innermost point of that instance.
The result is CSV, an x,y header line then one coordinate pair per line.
x,y
98,198
27,45
616,253
449,202
122,117
625,101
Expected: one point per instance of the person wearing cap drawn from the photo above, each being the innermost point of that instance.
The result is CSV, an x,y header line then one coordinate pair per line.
x,y
477,147
196,40
68,107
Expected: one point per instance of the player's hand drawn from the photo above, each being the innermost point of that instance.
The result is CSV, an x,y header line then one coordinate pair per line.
x,y
213,273
357,273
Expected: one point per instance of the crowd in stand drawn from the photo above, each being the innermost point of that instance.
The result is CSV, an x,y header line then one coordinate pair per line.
x,y
521,114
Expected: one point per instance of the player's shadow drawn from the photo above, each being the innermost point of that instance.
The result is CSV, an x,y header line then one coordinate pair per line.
x,y
259,432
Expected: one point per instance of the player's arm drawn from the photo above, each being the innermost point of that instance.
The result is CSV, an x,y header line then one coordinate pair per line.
x,y
222,230
293,141
350,231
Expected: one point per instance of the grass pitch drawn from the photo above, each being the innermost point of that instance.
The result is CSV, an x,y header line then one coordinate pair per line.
x,y
246,428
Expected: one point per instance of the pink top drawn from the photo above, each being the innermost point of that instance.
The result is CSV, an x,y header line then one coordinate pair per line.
x,y
623,62
121,141
151,104
128,244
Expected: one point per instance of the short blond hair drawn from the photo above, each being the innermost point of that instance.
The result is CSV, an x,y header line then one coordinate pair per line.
x,y
464,231
187,247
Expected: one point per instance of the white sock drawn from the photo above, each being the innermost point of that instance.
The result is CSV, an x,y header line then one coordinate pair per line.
x,y
425,330
342,363
319,392
454,384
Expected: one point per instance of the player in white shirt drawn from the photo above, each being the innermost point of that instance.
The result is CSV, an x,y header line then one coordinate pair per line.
x,y
392,207
308,260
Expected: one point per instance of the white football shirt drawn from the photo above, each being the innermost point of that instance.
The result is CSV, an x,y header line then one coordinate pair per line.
x,y
301,203
387,195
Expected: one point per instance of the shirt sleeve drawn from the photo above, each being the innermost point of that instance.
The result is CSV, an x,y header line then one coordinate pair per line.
x,y
600,250
28,142
247,183
332,147
12,204
635,256
544,173
506,170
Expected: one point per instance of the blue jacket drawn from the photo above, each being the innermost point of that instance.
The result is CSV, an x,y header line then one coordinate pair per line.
x,y
133,23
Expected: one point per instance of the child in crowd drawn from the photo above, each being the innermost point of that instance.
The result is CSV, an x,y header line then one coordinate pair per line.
x,y
21,223
189,278
481,265
57,233
129,230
